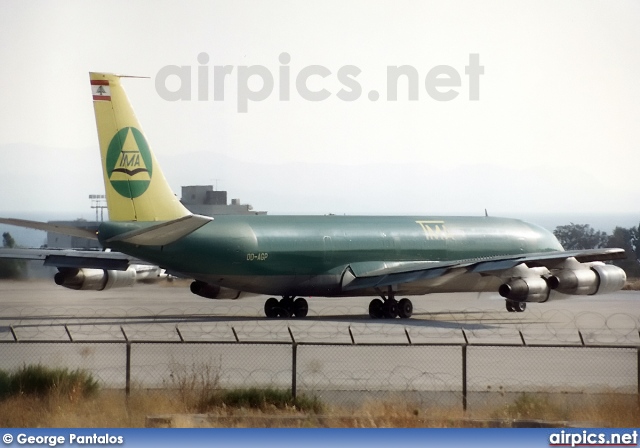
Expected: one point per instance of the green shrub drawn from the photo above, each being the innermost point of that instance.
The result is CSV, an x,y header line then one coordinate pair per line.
x,y
263,399
40,381
5,384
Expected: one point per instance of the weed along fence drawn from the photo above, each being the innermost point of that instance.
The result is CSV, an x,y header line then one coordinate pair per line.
x,y
346,369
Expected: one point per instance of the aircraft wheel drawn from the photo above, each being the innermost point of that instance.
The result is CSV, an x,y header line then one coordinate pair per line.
x,y
405,308
300,307
390,309
286,307
375,309
271,307
509,305
516,307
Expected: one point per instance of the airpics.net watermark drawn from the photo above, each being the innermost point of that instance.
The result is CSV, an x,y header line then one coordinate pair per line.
x,y
257,82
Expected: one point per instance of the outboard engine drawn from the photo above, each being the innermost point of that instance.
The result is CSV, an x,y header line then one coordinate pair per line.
x,y
590,280
94,279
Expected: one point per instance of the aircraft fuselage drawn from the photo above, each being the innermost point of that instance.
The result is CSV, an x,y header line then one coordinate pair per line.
x,y
307,255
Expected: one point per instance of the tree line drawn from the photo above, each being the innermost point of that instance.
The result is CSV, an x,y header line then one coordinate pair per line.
x,y
583,236
11,269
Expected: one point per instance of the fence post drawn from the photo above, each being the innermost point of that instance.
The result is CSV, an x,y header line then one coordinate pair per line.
x,y
294,370
127,387
68,333
13,333
581,338
294,364
524,343
464,371
406,332
179,334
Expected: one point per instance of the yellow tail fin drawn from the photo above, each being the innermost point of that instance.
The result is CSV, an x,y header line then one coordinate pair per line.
x,y
135,187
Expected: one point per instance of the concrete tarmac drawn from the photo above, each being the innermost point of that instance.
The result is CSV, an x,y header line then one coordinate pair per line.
x,y
172,331
36,308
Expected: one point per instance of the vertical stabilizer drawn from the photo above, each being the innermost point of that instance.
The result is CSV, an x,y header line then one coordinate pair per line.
x,y
135,187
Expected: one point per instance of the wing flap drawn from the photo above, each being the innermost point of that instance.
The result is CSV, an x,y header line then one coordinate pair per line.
x,y
61,258
393,279
59,261
366,275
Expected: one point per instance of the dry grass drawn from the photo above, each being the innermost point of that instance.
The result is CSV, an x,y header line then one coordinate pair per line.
x,y
613,410
195,389
106,409
111,409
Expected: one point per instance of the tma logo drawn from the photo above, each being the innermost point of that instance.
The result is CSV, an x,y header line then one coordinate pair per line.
x,y
129,164
435,230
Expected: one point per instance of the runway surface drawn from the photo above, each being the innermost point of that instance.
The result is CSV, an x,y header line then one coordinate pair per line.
x,y
36,309
179,327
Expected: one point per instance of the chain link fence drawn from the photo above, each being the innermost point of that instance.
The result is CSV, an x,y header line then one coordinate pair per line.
x,y
346,371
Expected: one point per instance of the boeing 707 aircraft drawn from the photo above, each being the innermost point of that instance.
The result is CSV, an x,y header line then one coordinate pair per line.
x,y
288,257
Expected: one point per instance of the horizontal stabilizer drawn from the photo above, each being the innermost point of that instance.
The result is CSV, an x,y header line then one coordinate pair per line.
x,y
163,233
69,258
49,227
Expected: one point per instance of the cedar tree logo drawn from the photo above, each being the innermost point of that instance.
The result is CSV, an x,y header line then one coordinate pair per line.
x,y
129,164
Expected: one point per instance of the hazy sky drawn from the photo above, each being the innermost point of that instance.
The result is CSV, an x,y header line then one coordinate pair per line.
x,y
555,129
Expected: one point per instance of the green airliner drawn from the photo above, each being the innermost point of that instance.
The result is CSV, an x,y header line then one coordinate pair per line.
x,y
322,256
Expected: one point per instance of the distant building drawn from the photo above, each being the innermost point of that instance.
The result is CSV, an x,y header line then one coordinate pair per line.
x,y
204,200
60,241
198,199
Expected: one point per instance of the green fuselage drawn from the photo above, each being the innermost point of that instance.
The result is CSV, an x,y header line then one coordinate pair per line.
x,y
283,255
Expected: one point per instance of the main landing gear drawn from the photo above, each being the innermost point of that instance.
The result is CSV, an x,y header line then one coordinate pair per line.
x,y
389,307
288,306
516,307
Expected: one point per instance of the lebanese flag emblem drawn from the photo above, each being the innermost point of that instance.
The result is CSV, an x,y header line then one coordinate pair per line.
x,y
100,90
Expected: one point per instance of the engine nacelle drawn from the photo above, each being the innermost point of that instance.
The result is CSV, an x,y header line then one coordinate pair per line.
x,y
210,291
612,278
597,279
94,279
528,289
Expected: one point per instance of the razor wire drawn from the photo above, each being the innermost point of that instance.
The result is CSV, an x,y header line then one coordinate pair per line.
x,y
481,326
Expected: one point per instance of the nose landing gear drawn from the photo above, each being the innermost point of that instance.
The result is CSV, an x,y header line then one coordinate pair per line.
x,y
516,307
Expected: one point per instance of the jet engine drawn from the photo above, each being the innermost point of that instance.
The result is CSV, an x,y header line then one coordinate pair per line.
x,y
528,289
210,291
571,278
94,279
594,279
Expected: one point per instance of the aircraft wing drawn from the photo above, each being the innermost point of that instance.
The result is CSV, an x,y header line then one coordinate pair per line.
x,y
49,227
381,274
69,258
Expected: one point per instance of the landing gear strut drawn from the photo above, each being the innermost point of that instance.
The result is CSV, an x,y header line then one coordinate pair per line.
x,y
389,307
287,307
516,307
